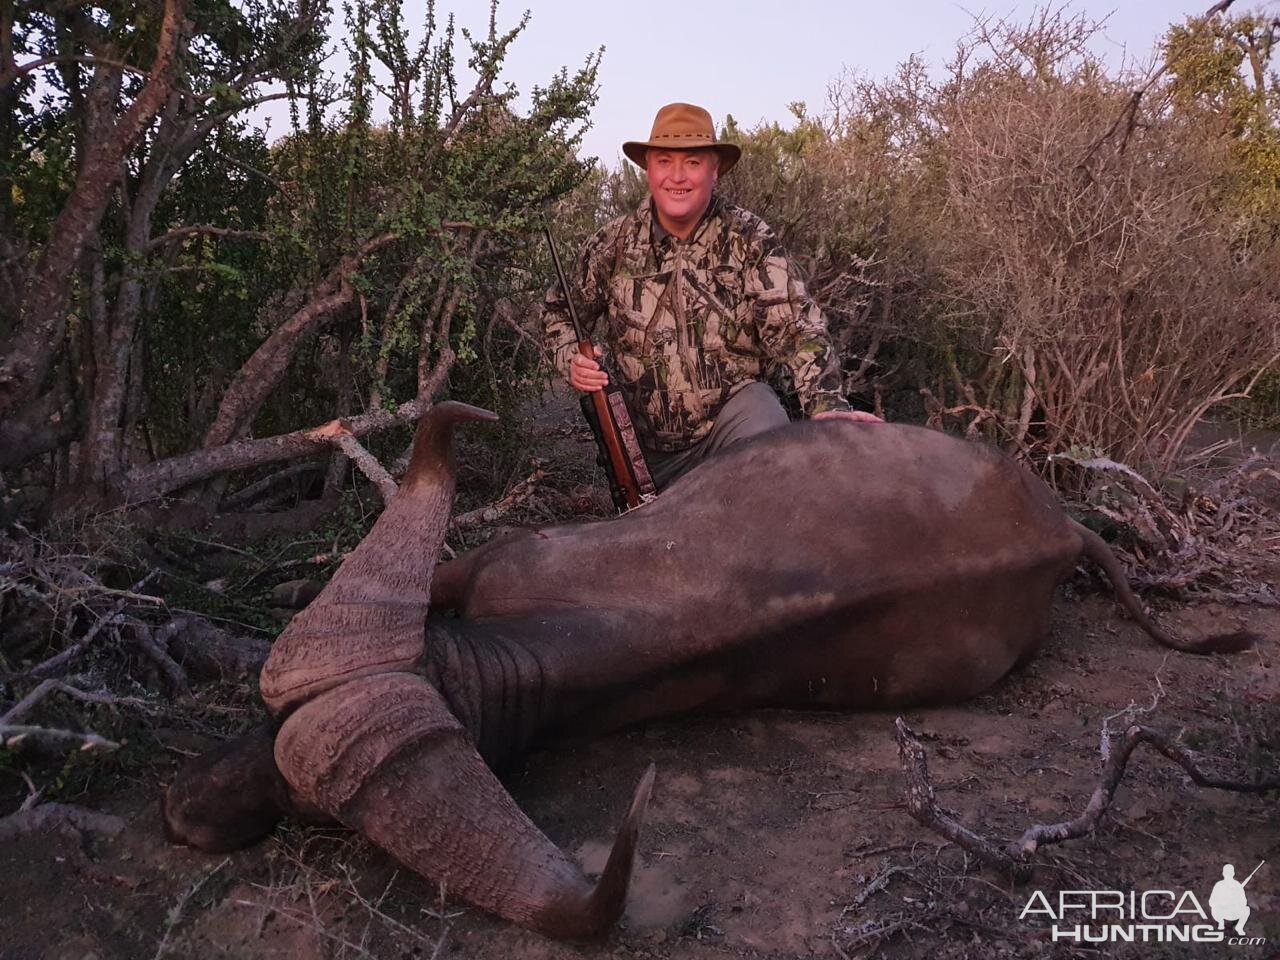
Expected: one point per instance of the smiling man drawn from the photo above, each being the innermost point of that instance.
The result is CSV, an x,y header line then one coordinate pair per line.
x,y
693,296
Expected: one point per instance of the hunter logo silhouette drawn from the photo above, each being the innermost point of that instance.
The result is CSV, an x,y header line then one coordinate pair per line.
x,y
1157,915
1228,901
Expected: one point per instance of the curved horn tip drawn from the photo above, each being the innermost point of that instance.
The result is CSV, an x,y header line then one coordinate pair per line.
x,y
644,790
434,437
455,411
609,899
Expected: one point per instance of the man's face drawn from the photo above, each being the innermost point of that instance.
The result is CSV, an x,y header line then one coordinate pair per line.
x,y
680,183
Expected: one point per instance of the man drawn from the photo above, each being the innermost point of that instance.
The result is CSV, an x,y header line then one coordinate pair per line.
x,y
1228,901
694,297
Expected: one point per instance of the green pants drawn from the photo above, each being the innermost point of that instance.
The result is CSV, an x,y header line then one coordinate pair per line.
x,y
752,410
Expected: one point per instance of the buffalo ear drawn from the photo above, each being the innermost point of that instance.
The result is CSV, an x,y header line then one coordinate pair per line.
x,y
385,755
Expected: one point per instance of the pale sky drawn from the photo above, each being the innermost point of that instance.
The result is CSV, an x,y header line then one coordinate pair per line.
x,y
751,58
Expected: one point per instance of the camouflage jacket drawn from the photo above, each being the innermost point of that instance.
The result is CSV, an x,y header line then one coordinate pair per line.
x,y
690,322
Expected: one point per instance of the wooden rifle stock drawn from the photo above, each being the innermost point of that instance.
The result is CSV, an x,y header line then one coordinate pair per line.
x,y
619,448
610,441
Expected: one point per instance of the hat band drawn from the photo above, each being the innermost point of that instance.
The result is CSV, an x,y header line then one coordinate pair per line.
x,y
676,136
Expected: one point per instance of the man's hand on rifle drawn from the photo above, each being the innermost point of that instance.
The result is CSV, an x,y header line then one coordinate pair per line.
x,y
585,374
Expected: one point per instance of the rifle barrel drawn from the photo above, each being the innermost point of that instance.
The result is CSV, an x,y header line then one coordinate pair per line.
x,y
1255,870
564,286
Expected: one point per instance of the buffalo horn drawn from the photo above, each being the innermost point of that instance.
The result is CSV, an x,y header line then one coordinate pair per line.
x,y
385,755
370,617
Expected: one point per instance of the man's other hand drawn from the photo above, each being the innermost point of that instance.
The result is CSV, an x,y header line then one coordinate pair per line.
x,y
856,416
585,374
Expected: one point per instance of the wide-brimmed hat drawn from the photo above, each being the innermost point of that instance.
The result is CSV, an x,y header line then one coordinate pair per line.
x,y
683,126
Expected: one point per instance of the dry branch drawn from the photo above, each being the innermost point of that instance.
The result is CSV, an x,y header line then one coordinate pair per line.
x,y
1207,544
145,640
923,806
1112,773
16,735
206,652
1129,115
518,494
46,687
250,494
204,229
175,913
1014,857
59,661
336,432
61,818
259,375
164,476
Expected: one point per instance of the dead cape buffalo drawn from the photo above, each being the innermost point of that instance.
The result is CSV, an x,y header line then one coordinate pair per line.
x,y
830,565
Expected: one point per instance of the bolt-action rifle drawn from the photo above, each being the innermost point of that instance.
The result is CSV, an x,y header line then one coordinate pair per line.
x,y
606,412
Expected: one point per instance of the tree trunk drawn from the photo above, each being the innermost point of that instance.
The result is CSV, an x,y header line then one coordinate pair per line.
x,y
30,353
176,139
41,426
337,471
262,372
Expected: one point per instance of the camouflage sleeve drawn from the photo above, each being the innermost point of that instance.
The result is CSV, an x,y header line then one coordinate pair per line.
x,y
588,288
792,328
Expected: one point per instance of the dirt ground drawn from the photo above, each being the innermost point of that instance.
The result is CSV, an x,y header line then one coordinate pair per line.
x,y
773,834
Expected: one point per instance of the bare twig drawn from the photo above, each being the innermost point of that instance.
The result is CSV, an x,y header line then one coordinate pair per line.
x,y
306,919
13,736
175,913
873,933
281,186
58,817
1015,857
1112,773
923,806
56,663
46,687
125,595
375,911
518,494
1129,115
336,432
145,640
1131,714
873,886
316,560
12,71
